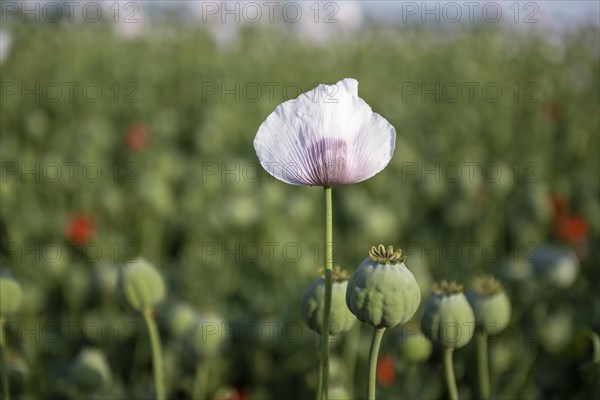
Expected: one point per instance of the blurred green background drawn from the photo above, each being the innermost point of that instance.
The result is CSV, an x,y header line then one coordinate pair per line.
x,y
116,147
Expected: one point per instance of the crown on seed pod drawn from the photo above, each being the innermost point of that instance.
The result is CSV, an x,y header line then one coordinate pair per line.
x,y
386,255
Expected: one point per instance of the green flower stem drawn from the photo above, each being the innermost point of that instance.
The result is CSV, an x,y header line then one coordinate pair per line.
x,y
328,283
320,382
482,365
201,381
159,383
5,382
449,372
373,353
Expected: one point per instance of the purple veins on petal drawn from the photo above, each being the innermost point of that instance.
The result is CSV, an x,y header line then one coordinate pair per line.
x,y
328,162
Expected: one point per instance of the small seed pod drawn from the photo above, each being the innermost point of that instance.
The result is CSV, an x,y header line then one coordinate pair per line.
x,y
413,346
312,305
448,319
140,285
179,318
382,291
556,331
10,294
205,338
555,265
90,371
490,304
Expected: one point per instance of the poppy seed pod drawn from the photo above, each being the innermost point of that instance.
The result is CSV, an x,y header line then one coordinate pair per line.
x,y
90,371
448,318
206,337
312,305
10,294
382,291
557,266
490,305
140,285
413,346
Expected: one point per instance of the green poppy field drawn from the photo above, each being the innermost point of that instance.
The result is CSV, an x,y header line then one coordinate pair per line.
x,y
120,152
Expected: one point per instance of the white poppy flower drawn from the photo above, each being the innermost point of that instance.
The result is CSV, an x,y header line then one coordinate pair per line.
x,y
327,136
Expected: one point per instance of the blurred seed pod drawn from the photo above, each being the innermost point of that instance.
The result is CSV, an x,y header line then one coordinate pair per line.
x,y
556,266
448,319
179,318
312,305
90,371
10,293
413,346
501,357
206,338
490,304
556,331
338,392
140,285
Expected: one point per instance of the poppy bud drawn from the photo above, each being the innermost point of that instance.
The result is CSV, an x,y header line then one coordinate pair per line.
x,y
140,285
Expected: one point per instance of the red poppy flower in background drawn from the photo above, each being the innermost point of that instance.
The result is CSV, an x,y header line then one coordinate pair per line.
x,y
137,137
572,228
386,371
80,229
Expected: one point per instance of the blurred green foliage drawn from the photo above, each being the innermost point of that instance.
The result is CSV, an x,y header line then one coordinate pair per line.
x,y
244,247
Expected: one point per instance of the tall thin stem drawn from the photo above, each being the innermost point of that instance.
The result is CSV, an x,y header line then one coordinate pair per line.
x,y
373,354
449,372
5,382
328,283
320,376
157,363
482,365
